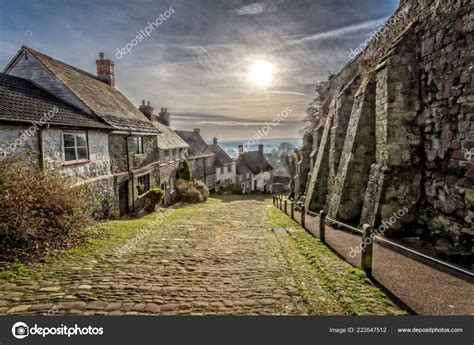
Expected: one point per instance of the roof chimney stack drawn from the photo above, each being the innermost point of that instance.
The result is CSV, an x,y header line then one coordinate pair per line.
x,y
197,131
214,141
241,149
260,148
164,116
105,70
147,110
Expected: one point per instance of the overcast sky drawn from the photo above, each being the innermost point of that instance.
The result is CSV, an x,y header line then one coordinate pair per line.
x,y
197,61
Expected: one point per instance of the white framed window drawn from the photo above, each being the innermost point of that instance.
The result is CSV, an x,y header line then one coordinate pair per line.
x,y
222,170
162,157
171,183
138,141
176,153
75,147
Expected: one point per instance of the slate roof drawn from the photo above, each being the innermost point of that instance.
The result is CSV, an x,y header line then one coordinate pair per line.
x,y
168,139
255,161
197,146
222,158
104,100
21,100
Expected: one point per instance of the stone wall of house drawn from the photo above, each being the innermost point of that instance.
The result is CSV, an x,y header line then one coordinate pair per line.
x,y
397,128
19,140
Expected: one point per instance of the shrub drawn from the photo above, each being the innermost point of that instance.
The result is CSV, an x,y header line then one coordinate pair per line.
x,y
153,198
202,188
187,192
185,172
38,210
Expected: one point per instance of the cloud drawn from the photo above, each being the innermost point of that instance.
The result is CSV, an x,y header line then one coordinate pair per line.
x,y
256,8
335,33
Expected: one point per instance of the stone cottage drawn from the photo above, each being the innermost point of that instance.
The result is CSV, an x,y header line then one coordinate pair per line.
x,y
172,150
225,167
394,128
200,157
254,172
122,162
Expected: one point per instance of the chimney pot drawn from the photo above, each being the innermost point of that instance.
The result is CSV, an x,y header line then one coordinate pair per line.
x,y
197,130
164,117
147,110
105,70
241,148
148,103
260,148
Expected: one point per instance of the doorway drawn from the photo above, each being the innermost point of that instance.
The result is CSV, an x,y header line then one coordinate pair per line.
x,y
123,198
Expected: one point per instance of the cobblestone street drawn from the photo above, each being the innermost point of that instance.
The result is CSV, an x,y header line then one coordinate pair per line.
x,y
221,257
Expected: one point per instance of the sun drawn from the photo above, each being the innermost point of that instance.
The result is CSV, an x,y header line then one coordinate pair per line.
x,y
261,73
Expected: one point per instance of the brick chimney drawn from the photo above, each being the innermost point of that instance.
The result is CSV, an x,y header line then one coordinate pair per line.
x,y
105,70
260,148
197,131
164,116
214,141
241,149
147,110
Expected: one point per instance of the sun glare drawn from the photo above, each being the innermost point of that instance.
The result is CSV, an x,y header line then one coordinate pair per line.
x,y
261,73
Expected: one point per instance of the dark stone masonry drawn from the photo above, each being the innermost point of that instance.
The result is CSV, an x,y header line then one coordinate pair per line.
x,y
395,128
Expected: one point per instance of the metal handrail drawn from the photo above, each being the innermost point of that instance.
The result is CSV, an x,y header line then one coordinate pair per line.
x,y
403,248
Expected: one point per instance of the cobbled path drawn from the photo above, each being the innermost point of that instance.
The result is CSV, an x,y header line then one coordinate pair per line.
x,y
223,259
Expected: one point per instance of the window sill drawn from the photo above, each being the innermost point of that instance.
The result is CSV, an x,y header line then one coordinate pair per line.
x,y
75,163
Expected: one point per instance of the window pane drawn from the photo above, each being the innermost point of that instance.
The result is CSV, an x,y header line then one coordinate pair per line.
x,y
70,154
68,140
81,140
82,153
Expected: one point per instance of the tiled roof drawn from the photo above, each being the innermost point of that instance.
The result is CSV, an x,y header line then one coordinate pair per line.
x,y
168,139
23,101
222,158
197,146
104,100
255,161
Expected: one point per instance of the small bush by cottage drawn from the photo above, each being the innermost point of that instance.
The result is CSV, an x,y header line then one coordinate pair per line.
x,y
190,191
154,198
39,211
202,188
185,172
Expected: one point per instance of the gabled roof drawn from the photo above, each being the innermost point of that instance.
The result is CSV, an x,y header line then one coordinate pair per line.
x,y
21,100
101,98
197,146
255,161
222,158
168,139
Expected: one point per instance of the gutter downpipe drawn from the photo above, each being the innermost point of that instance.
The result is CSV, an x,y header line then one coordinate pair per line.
x,y
130,172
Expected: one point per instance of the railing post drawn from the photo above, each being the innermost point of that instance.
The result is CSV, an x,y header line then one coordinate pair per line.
x,y
322,226
281,202
303,216
285,205
273,195
293,209
367,245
